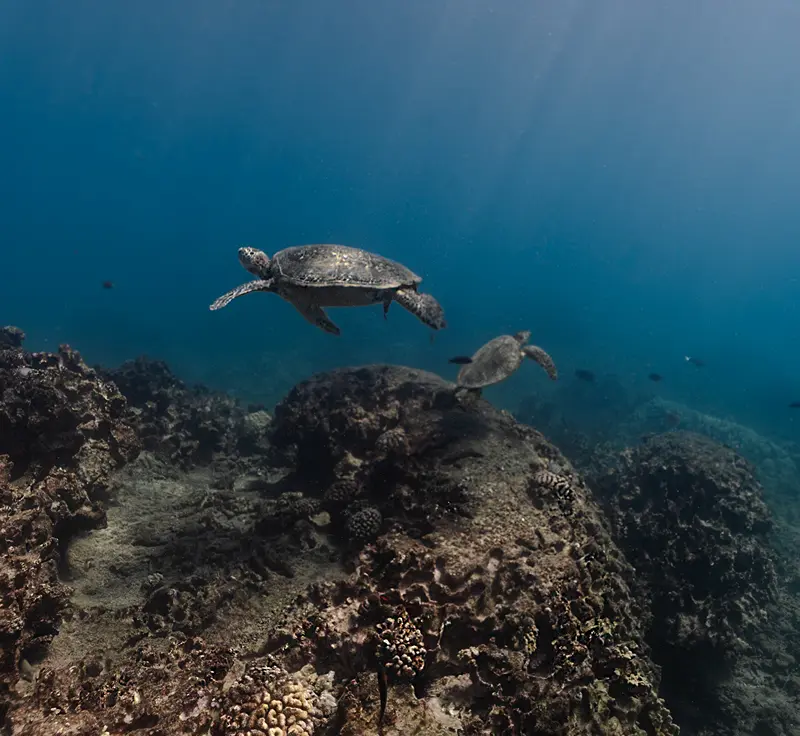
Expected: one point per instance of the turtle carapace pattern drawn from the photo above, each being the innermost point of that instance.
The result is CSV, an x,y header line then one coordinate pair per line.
x,y
312,277
499,358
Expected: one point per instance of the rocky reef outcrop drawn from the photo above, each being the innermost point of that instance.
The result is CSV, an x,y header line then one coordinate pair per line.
x,y
691,516
579,417
63,431
455,576
11,337
493,599
777,463
189,426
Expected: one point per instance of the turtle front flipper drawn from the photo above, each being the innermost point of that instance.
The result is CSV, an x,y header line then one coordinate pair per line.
x,y
423,306
316,316
250,286
538,355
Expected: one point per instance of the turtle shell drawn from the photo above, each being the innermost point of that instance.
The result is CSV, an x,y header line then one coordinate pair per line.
x,y
494,362
340,265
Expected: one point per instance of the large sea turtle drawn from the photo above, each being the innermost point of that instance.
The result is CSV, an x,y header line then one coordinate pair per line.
x,y
498,359
311,277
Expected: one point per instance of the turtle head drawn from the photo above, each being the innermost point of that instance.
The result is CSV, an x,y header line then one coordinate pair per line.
x,y
522,336
255,261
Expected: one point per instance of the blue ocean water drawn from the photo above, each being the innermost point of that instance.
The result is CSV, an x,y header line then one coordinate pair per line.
x,y
620,178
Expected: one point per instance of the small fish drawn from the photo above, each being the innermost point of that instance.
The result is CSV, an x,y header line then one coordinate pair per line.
x,y
584,375
654,377
696,362
460,360
108,284
795,405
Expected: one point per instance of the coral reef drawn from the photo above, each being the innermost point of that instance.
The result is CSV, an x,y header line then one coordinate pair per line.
x,y
167,689
63,431
579,417
487,588
186,686
762,693
11,337
495,589
189,426
690,514
752,691
576,414
776,464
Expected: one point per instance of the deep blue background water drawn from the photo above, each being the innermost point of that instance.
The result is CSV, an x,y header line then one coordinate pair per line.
x,y
622,178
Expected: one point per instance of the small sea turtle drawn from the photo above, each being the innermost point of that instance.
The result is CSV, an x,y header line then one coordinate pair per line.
x,y
498,359
311,277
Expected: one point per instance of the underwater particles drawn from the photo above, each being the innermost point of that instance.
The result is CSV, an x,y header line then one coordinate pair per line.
x,y
312,277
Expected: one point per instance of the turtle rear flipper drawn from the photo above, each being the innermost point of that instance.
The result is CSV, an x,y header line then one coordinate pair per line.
x,y
316,315
387,302
423,306
536,354
250,286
